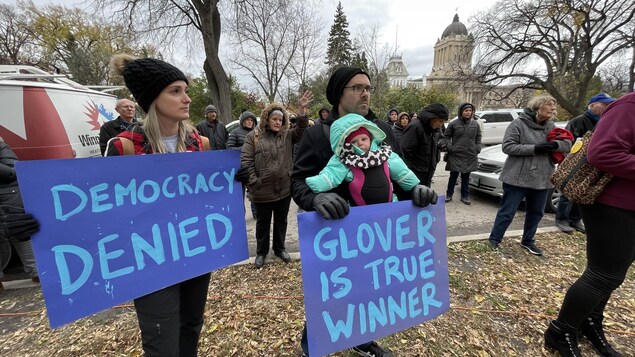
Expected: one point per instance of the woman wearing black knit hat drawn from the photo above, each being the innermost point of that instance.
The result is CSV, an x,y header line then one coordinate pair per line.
x,y
171,318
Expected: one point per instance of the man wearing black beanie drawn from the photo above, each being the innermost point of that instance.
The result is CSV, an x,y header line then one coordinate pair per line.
x,y
348,90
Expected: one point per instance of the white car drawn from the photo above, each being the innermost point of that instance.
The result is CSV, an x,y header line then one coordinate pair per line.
x,y
490,163
495,124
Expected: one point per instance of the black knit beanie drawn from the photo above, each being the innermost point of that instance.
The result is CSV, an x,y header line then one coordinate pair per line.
x,y
147,77
338,81
435,110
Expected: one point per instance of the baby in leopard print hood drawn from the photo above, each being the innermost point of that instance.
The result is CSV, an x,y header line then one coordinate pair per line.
x,y
362,159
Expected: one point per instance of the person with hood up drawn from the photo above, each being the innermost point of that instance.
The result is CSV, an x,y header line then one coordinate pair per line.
x,y
267,155
400,125
360,157
349,91
213,129
526,171
420,141
391,116
322,115
246,123
462,140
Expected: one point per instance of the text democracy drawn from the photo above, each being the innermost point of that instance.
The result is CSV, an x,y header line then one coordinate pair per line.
x,y
70,200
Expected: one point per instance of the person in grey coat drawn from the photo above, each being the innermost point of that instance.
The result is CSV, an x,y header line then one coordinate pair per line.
x,y
526,171
462,140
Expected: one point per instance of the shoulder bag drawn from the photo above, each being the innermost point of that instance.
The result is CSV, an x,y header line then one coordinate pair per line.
x,y
578,180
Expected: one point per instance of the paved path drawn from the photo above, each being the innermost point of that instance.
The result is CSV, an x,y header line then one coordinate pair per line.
x,y
464,222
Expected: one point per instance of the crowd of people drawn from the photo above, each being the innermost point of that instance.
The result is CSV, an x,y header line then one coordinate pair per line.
x,y
318,163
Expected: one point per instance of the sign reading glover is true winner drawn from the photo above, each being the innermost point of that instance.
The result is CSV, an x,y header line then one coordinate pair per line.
x,y
380,270
117,228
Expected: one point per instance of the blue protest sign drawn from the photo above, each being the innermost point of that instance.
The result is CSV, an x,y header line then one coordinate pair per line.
x,y
378,271
117,228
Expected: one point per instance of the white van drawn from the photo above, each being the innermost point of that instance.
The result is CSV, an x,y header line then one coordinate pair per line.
x,y
496,122
47,116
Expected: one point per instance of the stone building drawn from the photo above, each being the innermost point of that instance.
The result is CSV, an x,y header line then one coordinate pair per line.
x,y
451,66
453,63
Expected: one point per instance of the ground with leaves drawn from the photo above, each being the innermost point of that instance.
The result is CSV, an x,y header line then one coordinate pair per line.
x,y
501,304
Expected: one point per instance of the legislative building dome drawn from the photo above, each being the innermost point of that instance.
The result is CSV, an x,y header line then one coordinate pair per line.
x,y
455,28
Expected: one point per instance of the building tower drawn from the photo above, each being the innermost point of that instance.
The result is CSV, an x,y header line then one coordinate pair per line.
x,y
397,72
453,60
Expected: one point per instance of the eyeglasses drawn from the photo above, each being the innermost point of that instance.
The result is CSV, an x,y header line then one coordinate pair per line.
x,y
359,88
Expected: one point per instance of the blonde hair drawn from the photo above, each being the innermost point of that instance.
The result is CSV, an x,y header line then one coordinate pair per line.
x,y
152,129
541,99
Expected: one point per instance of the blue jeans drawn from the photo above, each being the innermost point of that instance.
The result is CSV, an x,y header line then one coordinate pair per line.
x,y
465,184
567,210
534,210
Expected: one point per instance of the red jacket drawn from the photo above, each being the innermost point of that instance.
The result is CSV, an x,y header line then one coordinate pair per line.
x,y
142,146
559,134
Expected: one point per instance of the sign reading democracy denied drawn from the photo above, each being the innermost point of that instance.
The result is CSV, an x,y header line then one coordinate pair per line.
x,y
117,228
381,269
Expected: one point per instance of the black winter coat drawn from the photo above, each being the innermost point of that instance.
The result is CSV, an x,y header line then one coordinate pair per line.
x,y
398,131
215,132
420,148
111,129
237,137
315,152
579,125
9,190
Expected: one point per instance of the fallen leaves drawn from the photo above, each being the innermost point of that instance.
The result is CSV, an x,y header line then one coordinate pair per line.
x,y
501,304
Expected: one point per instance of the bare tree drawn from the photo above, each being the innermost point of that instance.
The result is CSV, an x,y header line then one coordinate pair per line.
x,y
270,39
367,41
551,45
614,74
15,40
309,57
182,25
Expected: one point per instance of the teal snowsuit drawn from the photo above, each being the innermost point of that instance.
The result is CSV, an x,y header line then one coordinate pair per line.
x,y
335,172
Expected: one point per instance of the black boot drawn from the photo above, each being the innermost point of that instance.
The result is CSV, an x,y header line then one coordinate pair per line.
x,y
562,340
592,329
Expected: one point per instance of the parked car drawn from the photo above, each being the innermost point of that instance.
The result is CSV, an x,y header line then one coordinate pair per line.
x,y
490,163
495,124
231,126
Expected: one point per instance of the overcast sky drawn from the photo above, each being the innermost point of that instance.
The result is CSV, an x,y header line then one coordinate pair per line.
x,y
415,25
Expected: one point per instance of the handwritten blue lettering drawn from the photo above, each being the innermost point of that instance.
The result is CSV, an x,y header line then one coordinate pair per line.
x,y
60,251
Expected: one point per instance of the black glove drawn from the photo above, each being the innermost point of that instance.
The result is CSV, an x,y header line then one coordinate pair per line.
x,y
15,224
242,175
331,205
423,195
546,148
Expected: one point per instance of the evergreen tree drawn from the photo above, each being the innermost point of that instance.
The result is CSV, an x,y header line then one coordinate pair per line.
x,y
340,46
360,61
